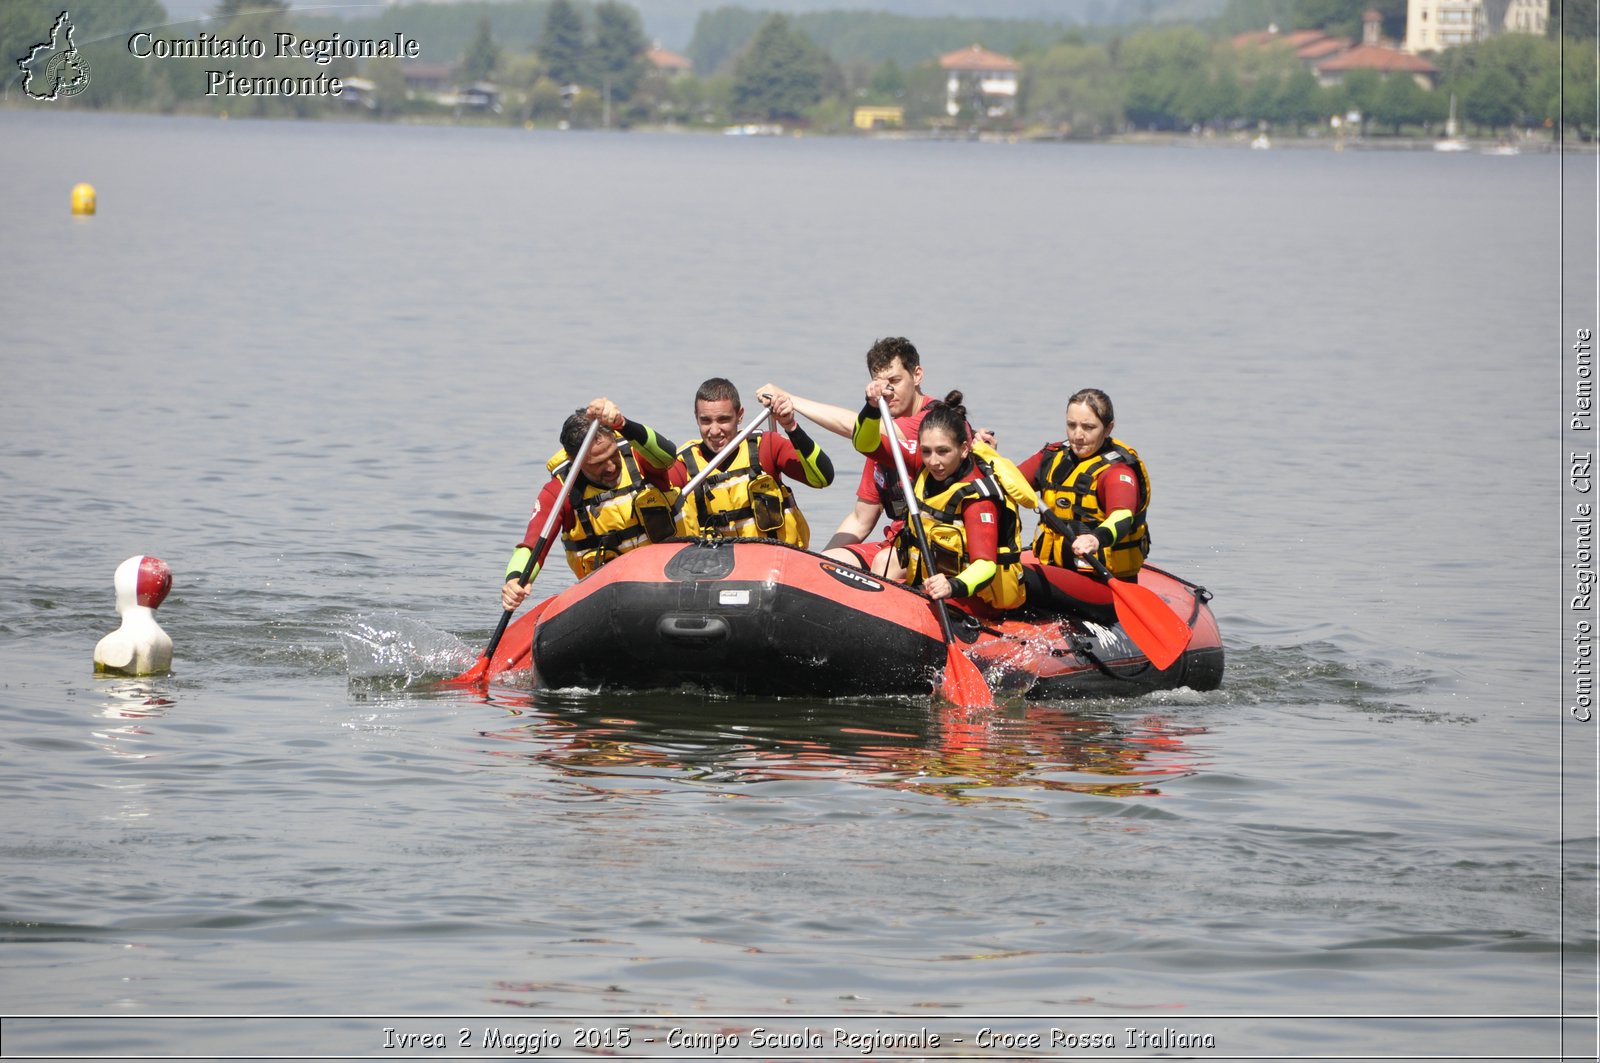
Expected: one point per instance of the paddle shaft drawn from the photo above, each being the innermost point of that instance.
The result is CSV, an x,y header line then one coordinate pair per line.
x,y
1094,562
545,532
722,455
913,513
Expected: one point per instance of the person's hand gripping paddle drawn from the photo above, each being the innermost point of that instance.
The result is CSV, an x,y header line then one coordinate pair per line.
x,y
480,669
963,684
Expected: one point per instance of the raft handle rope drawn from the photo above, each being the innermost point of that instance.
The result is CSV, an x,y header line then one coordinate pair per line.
x,y
1080,645
1199,592
1200,595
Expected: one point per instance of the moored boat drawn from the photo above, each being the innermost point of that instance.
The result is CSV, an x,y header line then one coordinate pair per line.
x,y
759,617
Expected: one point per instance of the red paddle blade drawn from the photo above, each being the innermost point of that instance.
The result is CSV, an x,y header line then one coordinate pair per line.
x,y
1150,622
963,685
478,673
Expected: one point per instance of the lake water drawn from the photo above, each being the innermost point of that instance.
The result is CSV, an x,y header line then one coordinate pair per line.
x,y
317,369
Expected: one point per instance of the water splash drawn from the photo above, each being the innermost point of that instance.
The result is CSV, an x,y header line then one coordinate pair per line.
x,y
392,646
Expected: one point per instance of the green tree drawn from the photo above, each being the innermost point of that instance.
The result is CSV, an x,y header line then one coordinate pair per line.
x,y
716,107
781,74
720,35
1262,98
544,102
1575,18
1164,70
482,55
1522,66
388,86
518,71
1359,93
1220,100
227,10
925,95
1243,16
585,109
1303,101
1526,61
1488,99
661,97
561,43
1343,17
888,84
23,24
617,59
1570,102
1073,87
1401,101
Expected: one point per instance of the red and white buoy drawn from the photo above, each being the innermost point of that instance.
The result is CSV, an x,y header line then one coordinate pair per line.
x,y
139,646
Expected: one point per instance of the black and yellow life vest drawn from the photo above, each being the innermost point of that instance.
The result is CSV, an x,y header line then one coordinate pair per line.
x,y
1070,506
892,497
740,500
947,536
610,521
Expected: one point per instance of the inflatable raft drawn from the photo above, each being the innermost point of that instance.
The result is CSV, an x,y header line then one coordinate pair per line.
x,y
758,617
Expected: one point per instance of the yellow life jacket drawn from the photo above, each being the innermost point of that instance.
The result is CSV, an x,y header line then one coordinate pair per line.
x,y
1007,475
610,521
947,536
740,500
1069,506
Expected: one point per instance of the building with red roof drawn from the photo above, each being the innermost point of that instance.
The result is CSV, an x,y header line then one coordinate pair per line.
x,y
1309,46
984,80
1331,58
1373,54
669,63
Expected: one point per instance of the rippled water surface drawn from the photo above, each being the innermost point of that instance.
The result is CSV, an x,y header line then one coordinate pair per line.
x,y
317,369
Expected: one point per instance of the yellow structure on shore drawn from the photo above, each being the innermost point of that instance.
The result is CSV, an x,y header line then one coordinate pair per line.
x,y
879,117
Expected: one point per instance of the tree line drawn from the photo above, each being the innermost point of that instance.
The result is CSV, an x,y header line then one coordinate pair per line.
x,y
585,64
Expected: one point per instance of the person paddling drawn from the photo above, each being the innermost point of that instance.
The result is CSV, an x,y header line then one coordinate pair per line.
x,y
970,524
895,368
620,500
1094,492
746,497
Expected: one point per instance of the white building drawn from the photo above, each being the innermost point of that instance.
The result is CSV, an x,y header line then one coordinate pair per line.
x,y
1434,25
985,79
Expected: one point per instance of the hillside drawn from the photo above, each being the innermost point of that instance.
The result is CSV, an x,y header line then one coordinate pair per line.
x,y
672,22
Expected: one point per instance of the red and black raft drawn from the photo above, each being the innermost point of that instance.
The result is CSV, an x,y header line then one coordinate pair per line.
x,y
759,617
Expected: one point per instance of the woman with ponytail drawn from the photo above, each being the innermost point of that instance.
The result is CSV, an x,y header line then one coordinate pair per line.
x,y
971,525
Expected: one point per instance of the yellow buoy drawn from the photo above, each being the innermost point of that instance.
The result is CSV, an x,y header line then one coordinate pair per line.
x,y
83,199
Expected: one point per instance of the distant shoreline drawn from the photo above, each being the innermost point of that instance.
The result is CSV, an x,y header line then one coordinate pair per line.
x,y
1235,141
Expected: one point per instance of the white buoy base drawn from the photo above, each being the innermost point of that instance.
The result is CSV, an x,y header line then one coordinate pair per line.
x,y
138,647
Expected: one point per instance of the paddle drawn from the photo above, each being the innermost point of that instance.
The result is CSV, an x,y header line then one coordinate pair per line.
x,y
480,668
1152,625
963,684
